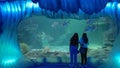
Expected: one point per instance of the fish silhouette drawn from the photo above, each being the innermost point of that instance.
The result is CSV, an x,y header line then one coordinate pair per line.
x,y
90,21
90,28
65,23
55,24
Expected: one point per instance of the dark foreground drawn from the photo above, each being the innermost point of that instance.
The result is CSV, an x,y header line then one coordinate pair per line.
x,y
58,65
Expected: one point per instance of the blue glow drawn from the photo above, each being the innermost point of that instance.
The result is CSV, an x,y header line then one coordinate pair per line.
x,y
9,49
113,9
118,58
19,12
36,5
36,9
118,6
29,4
13,12
22,9
10,61
118,10
8,8
29,7
16,12
4,12
108,4
8,11
108,8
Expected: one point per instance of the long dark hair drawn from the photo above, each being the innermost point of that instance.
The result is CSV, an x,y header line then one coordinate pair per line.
x,y
75,36
74,39
85,38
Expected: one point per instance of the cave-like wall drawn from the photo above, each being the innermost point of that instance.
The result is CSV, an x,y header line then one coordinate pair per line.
x,y
11,13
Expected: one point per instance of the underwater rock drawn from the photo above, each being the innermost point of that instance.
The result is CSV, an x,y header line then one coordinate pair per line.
x,y
109,34
100,54
108,43
45,50
109,37
24,48
34,53
58,56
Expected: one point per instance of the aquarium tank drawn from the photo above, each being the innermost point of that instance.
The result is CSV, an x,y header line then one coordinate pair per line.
x,y
37,33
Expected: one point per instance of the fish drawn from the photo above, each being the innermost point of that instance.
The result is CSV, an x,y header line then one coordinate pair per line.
x,y
90,21
55,24
65,23
90,28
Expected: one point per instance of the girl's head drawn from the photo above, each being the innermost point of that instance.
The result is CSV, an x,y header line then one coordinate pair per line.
x,y
85,38
75,36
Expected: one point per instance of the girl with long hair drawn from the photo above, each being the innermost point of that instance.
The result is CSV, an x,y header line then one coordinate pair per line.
x,y
83,48
74,50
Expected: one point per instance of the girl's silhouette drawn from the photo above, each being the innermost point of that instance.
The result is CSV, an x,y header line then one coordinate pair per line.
x,y
83,49
74,50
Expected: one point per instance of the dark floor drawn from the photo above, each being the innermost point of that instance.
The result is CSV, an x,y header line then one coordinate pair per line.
x,y
52,65
58,65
